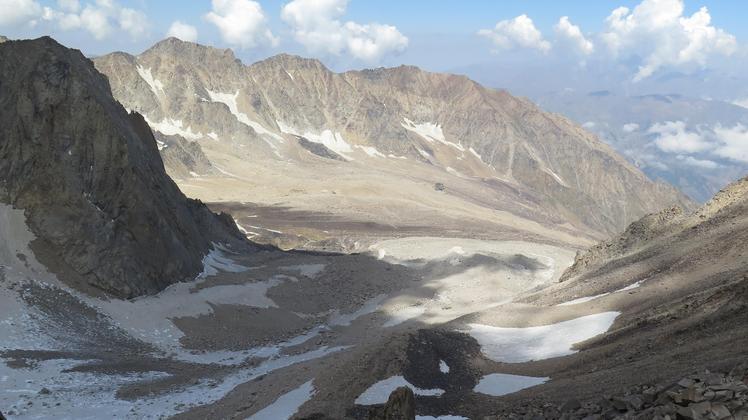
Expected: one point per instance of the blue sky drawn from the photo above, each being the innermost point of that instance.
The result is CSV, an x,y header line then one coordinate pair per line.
x,y
439,35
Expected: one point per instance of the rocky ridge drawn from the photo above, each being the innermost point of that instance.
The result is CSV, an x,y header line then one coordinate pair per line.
x,y
106,216
659,227
400,115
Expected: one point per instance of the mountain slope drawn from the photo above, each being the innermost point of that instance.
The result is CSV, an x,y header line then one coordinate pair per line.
x,y
681,283
89,177
538,165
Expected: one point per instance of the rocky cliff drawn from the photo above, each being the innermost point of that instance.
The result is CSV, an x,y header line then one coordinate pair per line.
x,y
89,177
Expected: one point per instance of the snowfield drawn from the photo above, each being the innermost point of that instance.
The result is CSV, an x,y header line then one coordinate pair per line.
x,y
516,345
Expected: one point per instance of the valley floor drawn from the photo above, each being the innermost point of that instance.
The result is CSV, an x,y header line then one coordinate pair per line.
x,y
254,329
475,326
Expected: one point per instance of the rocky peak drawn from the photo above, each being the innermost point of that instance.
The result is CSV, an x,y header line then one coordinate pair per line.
x,y
176,49
90,179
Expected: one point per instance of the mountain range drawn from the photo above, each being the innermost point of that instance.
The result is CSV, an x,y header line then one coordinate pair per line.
x,y
536,165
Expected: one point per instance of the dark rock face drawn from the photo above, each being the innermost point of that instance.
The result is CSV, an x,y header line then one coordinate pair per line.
x,y
400,406
90,178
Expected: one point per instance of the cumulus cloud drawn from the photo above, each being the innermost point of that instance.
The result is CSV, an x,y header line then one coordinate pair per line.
x,y
630,127
317,26
182,31
71,6
570,34
100,18
658,31
517,32
19,12
733,142
698,163
672,137
241,23
741,102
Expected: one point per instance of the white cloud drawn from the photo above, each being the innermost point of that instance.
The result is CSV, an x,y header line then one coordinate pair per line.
x,y
657,31
133,22
733,142
698,163
100,19
741,102
316,25
589,125
674,138
182,31
630,127
572,35
95,20
71,6
241,23
19,12
517,32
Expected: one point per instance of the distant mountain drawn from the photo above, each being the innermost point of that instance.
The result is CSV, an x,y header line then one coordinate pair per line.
x,y
89,177
670,137
545,167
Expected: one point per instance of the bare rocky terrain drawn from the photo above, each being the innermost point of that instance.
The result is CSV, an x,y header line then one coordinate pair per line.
x,y
288,131
483,297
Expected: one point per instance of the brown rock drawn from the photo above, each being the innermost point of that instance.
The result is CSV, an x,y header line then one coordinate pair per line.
x,y
400,406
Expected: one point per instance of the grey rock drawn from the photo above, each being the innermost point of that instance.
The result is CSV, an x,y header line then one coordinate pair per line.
x,y
90,179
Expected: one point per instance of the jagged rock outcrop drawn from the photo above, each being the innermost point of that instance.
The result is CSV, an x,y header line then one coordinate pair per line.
x,y
393,116
401,405
182,158
90,179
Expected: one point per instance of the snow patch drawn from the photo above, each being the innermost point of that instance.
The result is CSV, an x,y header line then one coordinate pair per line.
x,y
430,132
371,151
447,417
516,345
380,392
287,404
498,384
171,127
590,298
229,100
556,177
582,300
332,140
156,86
443,366
423,153
216,261
213,135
